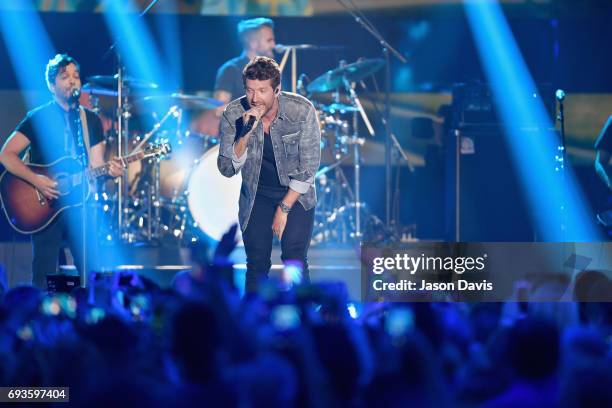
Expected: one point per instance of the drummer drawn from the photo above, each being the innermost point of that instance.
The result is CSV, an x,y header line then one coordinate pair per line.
x,y
257,38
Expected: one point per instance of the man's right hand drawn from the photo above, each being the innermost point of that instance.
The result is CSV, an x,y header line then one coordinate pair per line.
x,y
46,186
241,144
256,111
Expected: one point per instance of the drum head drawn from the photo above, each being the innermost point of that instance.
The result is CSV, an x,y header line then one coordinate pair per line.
x,y
213,198
186,152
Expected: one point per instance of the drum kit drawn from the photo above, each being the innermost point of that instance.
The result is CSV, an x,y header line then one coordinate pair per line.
x,y
182,197
340,211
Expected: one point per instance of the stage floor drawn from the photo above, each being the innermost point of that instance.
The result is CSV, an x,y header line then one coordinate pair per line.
x,y
161,263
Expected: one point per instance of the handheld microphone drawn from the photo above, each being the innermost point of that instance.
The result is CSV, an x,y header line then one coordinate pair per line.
x,y
247,128
76,93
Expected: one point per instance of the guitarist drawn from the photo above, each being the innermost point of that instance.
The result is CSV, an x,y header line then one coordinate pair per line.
x,y
603,147
48,133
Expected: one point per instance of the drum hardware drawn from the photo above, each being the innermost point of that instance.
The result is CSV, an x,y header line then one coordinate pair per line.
x,y
398,153
109,83
93,89
339,216
291,50
123,87
344,78
150,193
123,116
160,210
334,133
335,79
173,111
338,107
182,101
100,100
387,50
334,220
288,50
155,207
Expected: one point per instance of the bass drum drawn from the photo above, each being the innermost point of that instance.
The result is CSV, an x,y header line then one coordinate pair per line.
x,y
213,198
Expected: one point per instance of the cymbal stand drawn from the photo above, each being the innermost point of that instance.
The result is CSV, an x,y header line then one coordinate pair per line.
x,y
180,208
387,50
293,52
357,142
334,200
123,116
152,190
179,119
174,110
337,196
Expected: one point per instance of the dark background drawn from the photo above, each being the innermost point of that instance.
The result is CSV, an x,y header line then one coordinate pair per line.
x,y
566,50
440,49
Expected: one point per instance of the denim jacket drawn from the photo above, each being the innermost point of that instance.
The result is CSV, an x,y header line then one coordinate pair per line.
x,y
296,139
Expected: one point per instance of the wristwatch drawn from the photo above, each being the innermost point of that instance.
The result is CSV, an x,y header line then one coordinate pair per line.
x,y
284,207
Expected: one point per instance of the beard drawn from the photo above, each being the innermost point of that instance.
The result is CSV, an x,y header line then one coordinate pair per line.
x,y
267,109
266,53
69,95
263,104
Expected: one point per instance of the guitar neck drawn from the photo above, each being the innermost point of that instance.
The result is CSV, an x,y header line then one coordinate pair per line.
x,y
103,170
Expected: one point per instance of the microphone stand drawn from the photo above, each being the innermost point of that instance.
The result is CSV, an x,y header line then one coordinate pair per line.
x,y
560,97
387,49
80,143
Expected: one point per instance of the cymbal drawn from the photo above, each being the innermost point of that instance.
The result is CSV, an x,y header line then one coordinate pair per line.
x,y
338,107
95,90
183,101
334,78
110,82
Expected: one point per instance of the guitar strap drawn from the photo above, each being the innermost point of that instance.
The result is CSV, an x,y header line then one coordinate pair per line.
x,y
85,129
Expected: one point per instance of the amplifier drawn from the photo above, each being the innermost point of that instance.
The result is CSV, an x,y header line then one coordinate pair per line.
x,y
474,104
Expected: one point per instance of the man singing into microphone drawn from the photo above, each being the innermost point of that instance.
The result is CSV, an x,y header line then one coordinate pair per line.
x,y
48,133
273,137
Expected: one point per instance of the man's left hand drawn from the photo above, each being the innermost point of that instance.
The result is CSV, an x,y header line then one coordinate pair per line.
x,y
115,167
279,223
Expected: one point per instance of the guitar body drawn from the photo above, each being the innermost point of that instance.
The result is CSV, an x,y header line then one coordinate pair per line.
x,y
27,210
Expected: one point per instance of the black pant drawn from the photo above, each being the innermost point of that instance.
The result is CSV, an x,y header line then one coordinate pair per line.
x,y
258,238
47,243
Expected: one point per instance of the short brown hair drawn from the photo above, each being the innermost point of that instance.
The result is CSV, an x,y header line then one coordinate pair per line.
x,y
262,68
248,27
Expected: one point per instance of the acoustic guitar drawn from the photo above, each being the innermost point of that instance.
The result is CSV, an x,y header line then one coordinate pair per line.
x,y
29,211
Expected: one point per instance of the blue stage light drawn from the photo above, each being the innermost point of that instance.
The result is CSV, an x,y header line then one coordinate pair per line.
x,y
557,204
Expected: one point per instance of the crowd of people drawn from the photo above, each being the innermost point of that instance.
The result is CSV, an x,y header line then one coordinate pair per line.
x,y
123,341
